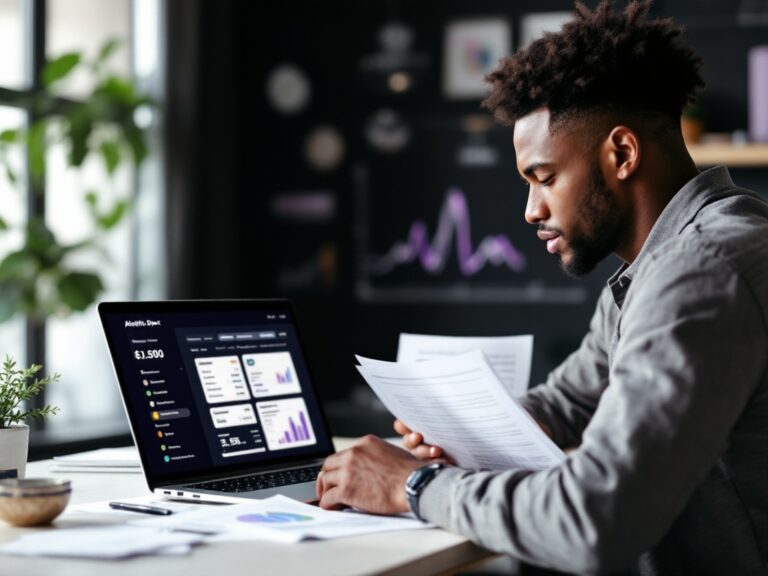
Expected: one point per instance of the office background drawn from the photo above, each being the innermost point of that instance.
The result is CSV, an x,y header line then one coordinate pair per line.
x,y
335,152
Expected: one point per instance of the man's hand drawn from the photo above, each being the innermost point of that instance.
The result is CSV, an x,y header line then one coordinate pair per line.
x,y
369,476
414,443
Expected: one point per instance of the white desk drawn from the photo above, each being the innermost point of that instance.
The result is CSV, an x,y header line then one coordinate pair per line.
x,y
418,552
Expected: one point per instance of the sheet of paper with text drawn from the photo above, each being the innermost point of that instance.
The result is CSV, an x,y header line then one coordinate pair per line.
x,y
458,403
509,356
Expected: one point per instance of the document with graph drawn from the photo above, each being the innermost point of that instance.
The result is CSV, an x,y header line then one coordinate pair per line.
x,y
460,404
508,356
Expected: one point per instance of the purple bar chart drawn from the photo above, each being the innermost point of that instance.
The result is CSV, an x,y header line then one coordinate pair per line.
x,y
286,423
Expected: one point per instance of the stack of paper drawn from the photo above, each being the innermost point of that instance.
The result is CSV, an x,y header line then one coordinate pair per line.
x,y
102,460
113,542
508,356
458,402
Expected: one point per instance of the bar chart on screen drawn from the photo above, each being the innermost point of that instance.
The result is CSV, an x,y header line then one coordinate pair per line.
x,y
286,424
271,374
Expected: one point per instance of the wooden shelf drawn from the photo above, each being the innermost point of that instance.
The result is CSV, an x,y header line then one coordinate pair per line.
x,y
734,155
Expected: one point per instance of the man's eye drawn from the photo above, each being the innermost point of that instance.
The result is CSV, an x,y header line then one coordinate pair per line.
x,y
548,180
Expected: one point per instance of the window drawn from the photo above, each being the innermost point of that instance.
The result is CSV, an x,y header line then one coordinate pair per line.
x,y
74,346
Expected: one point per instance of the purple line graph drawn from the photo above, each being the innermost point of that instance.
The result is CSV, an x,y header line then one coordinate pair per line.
x,y
296,433
453,227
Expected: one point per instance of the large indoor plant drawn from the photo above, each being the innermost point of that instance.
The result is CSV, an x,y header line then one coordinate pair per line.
x,y
17,387
41,278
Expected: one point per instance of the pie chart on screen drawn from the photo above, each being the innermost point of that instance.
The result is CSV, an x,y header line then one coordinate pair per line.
x,y
274,518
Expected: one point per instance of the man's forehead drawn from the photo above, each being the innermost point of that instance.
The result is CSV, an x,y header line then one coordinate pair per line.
x,y
532,138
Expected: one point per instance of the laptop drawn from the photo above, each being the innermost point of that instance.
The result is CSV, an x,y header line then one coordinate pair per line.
x,y
219,396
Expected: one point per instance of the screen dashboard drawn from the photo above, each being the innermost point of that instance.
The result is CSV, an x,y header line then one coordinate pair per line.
x,y
214,390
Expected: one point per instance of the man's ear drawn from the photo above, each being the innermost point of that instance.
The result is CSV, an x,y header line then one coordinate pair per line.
x,y
623,148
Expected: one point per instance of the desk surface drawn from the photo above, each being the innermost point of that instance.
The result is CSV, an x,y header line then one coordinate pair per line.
x,y
411,552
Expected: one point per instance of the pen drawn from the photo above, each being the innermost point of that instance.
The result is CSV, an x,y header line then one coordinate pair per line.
x,y
143,508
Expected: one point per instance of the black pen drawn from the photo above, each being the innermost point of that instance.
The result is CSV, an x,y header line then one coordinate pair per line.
x,y
142,508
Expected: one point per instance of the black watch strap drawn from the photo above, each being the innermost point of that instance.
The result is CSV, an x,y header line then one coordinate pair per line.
x,y
416,483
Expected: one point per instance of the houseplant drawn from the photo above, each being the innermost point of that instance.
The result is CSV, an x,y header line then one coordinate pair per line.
x,y
18,385
42,277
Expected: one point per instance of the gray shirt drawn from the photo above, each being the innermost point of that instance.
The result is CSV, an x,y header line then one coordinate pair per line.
x,y
666,401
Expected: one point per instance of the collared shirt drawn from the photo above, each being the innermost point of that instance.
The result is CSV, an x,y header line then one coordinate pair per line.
x,y
666,402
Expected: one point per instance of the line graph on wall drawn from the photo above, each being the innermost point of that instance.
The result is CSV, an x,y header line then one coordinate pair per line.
x,y
431,230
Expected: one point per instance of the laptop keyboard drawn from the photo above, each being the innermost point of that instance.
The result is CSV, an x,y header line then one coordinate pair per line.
x,y
261,481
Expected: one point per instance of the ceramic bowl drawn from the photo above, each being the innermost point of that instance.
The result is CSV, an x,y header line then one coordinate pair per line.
x,y
33,501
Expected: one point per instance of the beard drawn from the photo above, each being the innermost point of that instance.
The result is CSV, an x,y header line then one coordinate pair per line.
x,y
600,214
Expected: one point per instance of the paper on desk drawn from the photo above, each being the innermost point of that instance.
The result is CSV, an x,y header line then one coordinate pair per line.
x,y
102,507
459,403
280,519
106,457
112,543
508,356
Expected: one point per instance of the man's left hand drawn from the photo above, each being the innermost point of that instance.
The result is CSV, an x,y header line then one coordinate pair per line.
x,y
369,476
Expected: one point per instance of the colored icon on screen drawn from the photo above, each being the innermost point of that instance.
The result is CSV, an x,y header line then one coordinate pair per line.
x,y
274,518
163,447
167,458
160,434
155,415
149,393
250,362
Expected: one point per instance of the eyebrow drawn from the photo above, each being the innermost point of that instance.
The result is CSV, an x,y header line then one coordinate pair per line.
x,y
531,168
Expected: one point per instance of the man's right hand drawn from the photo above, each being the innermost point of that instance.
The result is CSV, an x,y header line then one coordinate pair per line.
x,y
414,443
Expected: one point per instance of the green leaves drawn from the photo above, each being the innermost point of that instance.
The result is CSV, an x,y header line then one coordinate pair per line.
x,y
78,290
59,68
18,386
39,279
109,219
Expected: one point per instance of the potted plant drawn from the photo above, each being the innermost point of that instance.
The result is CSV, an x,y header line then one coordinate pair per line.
x,y
17,385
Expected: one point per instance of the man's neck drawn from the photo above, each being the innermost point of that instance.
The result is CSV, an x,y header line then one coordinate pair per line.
x,y
666,171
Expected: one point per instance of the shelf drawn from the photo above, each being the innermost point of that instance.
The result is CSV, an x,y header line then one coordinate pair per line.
x,y
733,155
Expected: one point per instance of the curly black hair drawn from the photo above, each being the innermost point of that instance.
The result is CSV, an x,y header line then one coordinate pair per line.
x,y
603,60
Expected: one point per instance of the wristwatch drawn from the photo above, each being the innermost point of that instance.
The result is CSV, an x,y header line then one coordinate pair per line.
x,y
416,482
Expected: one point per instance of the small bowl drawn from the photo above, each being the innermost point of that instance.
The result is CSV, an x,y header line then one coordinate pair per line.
x,y
33,501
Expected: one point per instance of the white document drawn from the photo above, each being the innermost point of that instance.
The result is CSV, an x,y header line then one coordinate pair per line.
x,y
102,460
102,507
279,519
509,356
106,457
459,403
113,542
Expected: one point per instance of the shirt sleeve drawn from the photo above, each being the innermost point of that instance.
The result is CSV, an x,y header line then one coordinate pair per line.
x,y
566,402
692,351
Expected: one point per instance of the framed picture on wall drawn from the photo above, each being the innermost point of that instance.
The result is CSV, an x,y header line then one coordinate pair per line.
x,y
472,49
533,26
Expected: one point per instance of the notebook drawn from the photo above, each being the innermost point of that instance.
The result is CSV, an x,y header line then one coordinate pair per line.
x,y
219,396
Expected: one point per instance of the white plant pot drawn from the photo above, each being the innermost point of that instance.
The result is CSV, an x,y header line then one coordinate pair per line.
x,y
14,442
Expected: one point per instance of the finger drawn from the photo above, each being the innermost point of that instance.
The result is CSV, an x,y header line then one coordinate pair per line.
x,y
401,428
435,451
412,440
319,485
421,452
331,500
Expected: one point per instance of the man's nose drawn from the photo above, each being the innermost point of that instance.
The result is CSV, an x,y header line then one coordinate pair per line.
x,y
535,209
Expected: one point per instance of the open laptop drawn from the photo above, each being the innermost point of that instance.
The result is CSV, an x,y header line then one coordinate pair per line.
x,y
219,397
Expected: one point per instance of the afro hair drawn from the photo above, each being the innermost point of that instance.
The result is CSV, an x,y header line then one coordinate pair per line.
x,y
602,60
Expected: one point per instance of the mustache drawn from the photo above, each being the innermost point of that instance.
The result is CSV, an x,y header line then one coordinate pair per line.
x,y
550,229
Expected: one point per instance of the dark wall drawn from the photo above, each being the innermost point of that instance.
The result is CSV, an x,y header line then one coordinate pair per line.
x,y
234,241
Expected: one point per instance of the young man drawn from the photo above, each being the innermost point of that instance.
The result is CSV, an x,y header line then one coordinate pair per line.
x,y
666,401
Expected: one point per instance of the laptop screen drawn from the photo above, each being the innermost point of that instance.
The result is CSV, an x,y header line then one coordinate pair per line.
x,y
214,387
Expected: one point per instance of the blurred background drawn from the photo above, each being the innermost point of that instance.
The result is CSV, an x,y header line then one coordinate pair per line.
x,y
333,152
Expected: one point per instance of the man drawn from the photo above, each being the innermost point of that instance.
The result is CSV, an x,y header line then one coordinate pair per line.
x,y
665,404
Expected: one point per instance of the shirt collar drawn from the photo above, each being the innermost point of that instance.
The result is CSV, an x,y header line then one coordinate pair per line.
x,y
677,214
